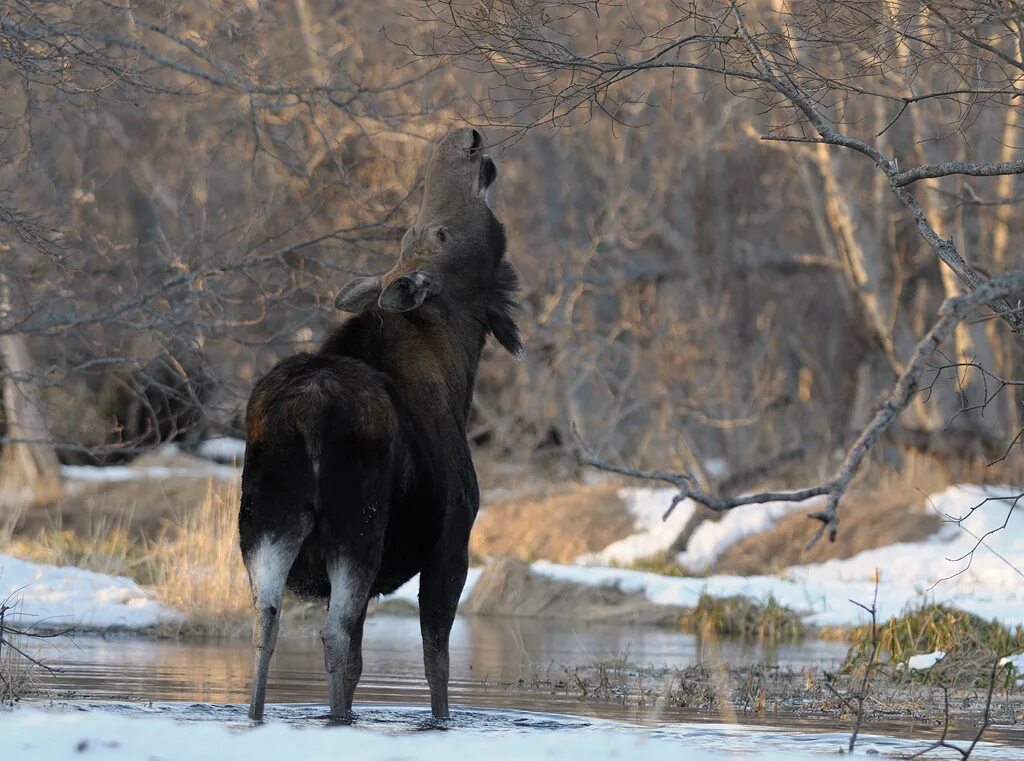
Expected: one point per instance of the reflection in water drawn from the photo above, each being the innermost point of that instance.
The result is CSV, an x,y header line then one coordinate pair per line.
x,y
209,679
489,657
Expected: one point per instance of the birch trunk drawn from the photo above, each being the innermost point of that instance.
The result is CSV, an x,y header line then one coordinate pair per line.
x,y
29,469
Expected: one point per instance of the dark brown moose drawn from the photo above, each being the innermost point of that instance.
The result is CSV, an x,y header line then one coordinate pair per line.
x,y
357,471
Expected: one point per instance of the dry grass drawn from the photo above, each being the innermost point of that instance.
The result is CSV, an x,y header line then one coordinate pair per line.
x,y
192,563
877,518
971,644
18,674
18,677
743,617
104,549
559,525
197,568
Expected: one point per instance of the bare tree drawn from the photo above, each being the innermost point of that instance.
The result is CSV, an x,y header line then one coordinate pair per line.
x,y
905,87
179,197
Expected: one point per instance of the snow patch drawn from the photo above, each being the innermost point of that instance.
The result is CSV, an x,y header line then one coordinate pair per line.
x,y
712,538
990,585
47,597
925,661
410,590
654,535
1016,662
121,473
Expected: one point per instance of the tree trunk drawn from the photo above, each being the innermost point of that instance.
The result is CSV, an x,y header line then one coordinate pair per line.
x,y
29,469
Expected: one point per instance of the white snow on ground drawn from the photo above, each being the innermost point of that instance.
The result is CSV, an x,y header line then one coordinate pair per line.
x,y
56,598
222,449
654,535
54,736
925,661
712,538
109,473
115,473
990,585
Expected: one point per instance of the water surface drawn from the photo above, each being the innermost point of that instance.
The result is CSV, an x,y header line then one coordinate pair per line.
x,y
496,664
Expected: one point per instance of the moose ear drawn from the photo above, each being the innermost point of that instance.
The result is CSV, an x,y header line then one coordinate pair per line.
x,y
358,295
406,292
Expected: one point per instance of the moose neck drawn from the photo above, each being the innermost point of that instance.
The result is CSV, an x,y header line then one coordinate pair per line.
x,y
431,354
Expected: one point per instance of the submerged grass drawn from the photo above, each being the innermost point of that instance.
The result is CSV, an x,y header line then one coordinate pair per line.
x,y
744,617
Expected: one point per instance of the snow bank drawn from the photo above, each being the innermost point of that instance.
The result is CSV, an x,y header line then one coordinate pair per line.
x,y
55,598
1016,662
53,736
712,538
991,584
654,535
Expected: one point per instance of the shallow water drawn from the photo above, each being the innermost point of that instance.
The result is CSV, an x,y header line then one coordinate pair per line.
x,y
494,661
487,656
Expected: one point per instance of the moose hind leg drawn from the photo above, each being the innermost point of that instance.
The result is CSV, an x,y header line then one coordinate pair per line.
x,y
350,592
268,564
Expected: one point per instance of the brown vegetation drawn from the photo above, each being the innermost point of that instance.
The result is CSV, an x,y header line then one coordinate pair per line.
x,y
558,524
883,517
141,507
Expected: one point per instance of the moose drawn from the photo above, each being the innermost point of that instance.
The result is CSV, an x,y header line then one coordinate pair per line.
x,y
357,472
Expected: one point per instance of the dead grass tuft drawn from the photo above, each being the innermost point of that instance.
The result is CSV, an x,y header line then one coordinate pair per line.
x,y
19,676
198,569
744,617
559,525
103,548
970,643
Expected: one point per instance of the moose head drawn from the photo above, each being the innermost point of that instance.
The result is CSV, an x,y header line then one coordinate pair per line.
x,y
454,251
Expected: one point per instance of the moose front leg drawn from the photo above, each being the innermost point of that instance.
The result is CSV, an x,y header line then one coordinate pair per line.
x,y
441,584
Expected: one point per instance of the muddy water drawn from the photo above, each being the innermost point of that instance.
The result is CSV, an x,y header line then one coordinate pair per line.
x,y
494,662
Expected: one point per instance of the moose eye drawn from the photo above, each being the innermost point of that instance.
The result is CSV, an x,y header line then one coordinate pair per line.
x,y
442,235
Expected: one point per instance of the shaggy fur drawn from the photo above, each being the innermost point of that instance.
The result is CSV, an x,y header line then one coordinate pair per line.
x,y
357,472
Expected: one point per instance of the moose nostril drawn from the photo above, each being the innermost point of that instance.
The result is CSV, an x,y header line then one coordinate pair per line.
x,y
478,140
